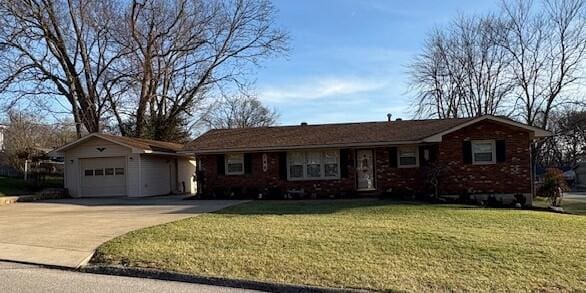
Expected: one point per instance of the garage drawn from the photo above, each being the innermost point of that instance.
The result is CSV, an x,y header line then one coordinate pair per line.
x,y
103,176
100,165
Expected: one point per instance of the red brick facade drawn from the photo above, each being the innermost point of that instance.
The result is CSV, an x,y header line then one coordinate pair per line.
x,y
513,175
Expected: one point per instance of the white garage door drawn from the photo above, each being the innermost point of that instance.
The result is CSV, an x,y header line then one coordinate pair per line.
x,y
103,176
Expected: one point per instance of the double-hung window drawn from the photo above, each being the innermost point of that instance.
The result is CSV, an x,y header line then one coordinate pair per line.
x,y
408,156
310,165
234,164
483,152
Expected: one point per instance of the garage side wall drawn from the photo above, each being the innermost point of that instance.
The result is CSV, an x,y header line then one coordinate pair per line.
x,y
186,170
156,173
92,148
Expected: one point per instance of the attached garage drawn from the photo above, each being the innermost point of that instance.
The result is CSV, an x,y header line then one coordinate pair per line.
x,y
101,165
103,176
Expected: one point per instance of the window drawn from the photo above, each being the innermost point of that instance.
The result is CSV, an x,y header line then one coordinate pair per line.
x,y
313,165
88,172
119,171
296,165
234,164
408,157
99,172
109,171
483,152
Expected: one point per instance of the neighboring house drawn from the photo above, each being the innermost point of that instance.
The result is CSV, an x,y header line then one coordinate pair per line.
x,y
108,165
483,155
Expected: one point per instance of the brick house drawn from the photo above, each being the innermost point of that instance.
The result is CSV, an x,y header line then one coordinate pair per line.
x,y
482,156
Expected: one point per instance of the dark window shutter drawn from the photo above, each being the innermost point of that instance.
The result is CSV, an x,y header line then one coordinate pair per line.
x,y
433,153
247,163
422,160
501,152
393,157
467,152
283,165
220,165
344,163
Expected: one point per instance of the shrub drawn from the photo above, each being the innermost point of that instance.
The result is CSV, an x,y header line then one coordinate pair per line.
x,y
553,186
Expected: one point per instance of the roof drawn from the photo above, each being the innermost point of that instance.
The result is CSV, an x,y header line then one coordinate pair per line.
x,y
145,144
136,144
336,135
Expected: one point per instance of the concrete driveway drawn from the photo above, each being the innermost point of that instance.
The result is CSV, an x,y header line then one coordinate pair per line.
x,y
66,232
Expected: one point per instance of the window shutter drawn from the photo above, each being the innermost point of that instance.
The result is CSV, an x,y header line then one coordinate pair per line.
x,y
220,165
433,153
393,157
344,163
283,165
501,153
422,160
247,163
467,152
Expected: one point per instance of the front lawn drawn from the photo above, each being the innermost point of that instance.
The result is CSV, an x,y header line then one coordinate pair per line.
x,y
368,244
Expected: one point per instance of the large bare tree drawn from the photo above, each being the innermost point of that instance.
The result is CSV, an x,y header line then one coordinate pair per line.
x,y
180,51
523,62
148,63
461,71
59,50
239,112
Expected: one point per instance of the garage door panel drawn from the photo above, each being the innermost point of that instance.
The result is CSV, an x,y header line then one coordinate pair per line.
x,y
103,176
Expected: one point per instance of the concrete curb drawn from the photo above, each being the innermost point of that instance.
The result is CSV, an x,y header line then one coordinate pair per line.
x,y
214,281
6,200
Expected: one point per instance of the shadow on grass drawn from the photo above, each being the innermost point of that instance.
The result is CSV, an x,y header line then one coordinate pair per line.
x,y
308,207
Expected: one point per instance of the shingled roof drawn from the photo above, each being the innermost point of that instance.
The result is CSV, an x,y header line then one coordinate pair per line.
x,y
144,144
322,135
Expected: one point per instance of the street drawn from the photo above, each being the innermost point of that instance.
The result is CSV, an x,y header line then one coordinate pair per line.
x,y
29,278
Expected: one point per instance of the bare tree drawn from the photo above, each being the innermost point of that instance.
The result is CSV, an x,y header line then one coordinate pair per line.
x,y
547,49
568,145
461,71
522,63
61,50
239,112
181,50
146,63
27,137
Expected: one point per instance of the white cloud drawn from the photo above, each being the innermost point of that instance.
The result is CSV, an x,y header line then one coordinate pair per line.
x,y
318,88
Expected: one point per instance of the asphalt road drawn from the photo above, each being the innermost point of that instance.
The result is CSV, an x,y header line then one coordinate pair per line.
x,y
19,278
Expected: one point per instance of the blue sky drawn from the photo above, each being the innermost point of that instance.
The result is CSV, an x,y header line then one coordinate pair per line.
x,y
347,58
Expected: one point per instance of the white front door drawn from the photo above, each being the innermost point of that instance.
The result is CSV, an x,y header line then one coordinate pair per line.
x,y
364,170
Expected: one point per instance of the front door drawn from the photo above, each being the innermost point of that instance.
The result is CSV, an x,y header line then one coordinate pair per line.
x,y
364,170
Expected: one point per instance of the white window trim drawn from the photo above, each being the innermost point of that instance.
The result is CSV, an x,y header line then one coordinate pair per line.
x,y
416,156
322,166
227,171
493,144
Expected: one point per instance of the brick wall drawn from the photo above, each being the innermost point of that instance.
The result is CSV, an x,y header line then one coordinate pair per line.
x,y
261,181
511,176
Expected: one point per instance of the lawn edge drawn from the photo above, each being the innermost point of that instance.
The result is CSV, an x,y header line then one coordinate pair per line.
x,y
149,273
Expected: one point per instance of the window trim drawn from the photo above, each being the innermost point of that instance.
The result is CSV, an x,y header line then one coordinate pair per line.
x,y
227,170
483,141
416,156
322,165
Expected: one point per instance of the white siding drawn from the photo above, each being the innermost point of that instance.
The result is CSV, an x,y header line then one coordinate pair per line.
x,y
90,149
186,170
156,175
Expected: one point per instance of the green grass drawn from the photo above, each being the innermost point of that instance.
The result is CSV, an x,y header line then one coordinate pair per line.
x,y
17,186
570,205
378,245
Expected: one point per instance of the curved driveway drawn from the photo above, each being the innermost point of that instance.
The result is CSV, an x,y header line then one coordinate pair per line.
x,y
66,232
